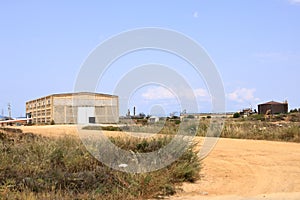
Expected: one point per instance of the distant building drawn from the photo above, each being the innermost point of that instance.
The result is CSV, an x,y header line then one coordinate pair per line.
x,y
153,119
273,107
72,108
246,112
2,118
204,115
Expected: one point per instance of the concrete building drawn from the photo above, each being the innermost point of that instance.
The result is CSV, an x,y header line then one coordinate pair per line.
x,y
72,108
273,107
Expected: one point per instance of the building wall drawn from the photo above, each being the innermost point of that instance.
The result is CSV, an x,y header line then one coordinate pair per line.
x,y
107,114
63,108
106,108
275,108
40,109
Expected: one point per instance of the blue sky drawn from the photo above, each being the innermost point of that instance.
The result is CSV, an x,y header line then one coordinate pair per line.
x,y
255,45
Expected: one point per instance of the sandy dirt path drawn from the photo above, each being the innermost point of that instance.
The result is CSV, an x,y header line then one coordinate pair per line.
x,y
247,169
234,170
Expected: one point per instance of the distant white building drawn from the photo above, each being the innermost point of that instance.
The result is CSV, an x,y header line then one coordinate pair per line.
x,y
153,119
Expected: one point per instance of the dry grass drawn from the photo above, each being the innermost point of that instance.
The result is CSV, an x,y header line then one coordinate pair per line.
x,y
273,130
278,128
38,167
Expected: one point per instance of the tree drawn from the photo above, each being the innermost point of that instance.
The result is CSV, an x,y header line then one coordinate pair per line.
x,y
236,115
293,110
190,116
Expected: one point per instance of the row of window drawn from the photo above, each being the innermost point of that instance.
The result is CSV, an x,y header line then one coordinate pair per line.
x,y
43,103
42,120
41,114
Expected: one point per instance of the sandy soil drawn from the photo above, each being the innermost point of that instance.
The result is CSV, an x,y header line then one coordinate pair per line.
x,y
51,130
71,130
235,169
247,169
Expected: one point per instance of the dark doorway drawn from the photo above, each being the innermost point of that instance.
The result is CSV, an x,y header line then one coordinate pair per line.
x,y
92,120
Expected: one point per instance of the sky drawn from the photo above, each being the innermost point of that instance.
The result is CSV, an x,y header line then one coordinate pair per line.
x,y
254,45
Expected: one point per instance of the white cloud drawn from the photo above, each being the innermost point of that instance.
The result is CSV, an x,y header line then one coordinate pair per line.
x,y
168,99
159,93
294,2
196,14
202,95
278,56
200,92
242,95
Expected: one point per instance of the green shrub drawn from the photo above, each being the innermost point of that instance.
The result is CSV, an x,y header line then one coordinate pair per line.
x,y
260,117
177,121
190,117
294,110
236,115
104,128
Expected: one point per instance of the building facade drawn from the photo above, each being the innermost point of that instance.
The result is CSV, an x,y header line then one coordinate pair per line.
x,y
74,108
273,107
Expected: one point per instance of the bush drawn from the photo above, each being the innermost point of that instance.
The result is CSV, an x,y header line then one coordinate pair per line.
x,y
259,117
236,115
11,130
294,110
177,121
104,128
190,117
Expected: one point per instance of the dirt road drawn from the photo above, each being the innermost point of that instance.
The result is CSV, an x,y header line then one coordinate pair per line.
x,y
247,169
234,170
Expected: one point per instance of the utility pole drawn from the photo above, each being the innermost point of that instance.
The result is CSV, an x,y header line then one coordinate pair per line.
x,y
2,112
128,113
9,110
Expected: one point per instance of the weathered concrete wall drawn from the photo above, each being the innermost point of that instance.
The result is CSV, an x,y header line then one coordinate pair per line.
x,y
65,110
107,114
59,114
